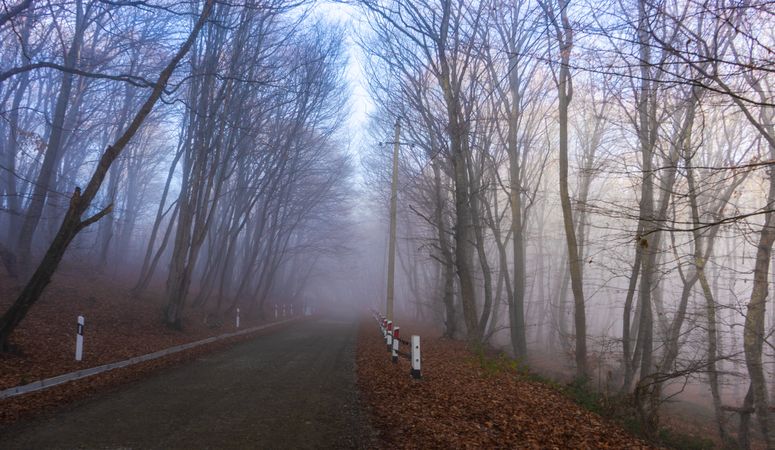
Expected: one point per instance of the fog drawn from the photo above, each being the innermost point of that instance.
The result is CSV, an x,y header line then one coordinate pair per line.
x,y
586,188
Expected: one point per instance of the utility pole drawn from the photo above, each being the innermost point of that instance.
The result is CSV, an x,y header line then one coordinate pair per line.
x,y
392,241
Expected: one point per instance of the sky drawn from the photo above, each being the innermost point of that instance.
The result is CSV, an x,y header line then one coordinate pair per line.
x,y
361,105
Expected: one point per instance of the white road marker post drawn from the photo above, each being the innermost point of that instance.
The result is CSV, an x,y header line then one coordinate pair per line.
x,y
275,311
79,339
396,343
237,317
415,371
283,309
291,308
389,337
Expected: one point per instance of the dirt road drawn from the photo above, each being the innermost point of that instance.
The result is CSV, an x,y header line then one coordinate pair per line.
x,y
291,389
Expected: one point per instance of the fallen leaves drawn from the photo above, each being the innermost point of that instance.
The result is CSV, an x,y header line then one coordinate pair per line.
x,y
459,405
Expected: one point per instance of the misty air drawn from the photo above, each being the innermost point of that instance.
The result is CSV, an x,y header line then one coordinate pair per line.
x,y
372,224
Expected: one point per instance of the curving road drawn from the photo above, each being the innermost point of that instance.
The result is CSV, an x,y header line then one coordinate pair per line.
x,y
291,389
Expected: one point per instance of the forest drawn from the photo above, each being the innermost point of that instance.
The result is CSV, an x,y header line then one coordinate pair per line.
x,y
587,186
590,183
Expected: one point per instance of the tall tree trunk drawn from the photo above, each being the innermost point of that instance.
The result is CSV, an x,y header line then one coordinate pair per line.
x,y
627,359
565,90
11,148
458,136
107,226
710,303
517,295
753,331
479,238
743,434
649,239
47,172
147,269
448,270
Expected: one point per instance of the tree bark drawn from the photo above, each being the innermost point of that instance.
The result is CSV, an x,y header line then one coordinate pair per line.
x,y
565,91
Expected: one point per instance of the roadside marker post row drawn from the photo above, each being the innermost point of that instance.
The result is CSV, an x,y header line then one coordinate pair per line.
x,y
392,336
415,372
389,335
281,311
81,322
91,371
396,342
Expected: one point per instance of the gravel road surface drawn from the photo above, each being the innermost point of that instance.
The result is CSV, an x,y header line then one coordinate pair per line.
x,y
291,389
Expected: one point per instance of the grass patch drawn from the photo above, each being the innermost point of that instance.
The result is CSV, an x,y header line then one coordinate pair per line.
x,y
620,409
670,438
494,364
578,390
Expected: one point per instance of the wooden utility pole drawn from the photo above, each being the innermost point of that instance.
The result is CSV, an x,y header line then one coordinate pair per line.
x,y
392,241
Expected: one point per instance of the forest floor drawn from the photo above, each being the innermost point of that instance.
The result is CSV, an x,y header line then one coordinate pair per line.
x,y
117,327
465,400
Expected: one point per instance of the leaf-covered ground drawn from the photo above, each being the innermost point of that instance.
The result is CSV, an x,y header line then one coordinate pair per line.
x,y
118,327
461,404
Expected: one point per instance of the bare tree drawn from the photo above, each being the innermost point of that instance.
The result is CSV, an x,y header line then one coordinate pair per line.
x,y
80,203
557,17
